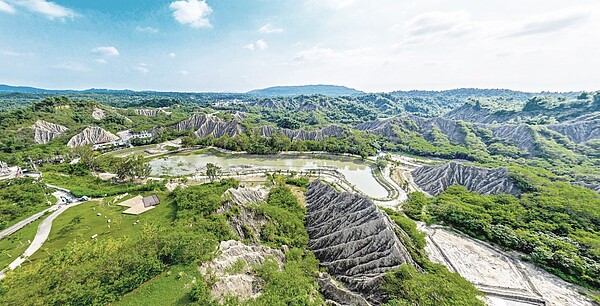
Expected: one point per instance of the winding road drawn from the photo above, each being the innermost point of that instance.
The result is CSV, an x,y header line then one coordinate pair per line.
x,y
43,230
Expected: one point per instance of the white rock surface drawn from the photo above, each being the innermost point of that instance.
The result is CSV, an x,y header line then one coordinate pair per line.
x,y
98,114
241,283
90,136
149,112
44,131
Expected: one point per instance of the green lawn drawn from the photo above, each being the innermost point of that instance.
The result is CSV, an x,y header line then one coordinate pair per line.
x,y
81,222
164,289
14,245
30,211
88,184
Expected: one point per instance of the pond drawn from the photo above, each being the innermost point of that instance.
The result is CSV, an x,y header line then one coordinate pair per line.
x,y
356,172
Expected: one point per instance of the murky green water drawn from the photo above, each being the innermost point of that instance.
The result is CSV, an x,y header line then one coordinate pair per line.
x,y
356,172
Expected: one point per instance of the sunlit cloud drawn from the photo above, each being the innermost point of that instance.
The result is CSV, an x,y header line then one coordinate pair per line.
x,y
191,12
106,51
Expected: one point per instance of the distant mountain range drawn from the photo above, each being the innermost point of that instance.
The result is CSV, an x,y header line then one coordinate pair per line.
x,y
277,91
284,91
26,89
292,91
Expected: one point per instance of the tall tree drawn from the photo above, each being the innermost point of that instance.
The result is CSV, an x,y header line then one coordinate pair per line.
x,y
212,171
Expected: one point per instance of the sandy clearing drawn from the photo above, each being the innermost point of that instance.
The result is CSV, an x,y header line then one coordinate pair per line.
x,y
501,275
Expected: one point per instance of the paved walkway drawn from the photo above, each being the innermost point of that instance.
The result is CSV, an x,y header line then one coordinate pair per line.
x,y
43,230
11,230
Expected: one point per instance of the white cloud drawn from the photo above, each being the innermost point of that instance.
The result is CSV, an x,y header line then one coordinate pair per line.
x,y
318,53
47,8
436,25
334,4
142,68
182,72
106,51
6,8
269,28
12,53
150,30
72,66
192,12
100,61
315,53
172,55
260,44
550,22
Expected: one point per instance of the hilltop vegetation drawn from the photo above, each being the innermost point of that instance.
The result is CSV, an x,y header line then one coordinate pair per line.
x,y
21,198
549,143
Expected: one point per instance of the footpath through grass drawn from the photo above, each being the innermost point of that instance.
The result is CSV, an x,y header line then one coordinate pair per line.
x,y
172,287
81,222
14,245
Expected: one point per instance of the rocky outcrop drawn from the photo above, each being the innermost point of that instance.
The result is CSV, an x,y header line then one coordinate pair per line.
x,y
594,187
318,135
382,127
435,179
336,294
521,136
149,112
355,241
98,114
205,125
578,131
247,222
90,136
233,269
245,195
473,113
424,126
450,128
44,132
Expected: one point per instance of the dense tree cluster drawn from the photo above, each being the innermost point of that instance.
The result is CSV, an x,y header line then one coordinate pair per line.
x,y
20,198
356,142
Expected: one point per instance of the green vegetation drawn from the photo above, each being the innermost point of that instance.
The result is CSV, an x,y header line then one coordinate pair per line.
x,y
79,223
82,183
21,198
17,143
166,289
14,245
355,142
294,285
212,171
435,285
132,167
285,215
556,224
99,271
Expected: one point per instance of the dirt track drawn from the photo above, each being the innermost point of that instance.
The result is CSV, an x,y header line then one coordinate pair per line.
x,y
502,276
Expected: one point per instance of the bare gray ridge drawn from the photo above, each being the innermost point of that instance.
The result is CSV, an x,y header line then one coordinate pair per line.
x,y
355,241
209,124
435,179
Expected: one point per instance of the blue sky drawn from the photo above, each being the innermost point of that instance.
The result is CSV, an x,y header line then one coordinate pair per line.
x,y
238,45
